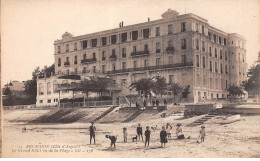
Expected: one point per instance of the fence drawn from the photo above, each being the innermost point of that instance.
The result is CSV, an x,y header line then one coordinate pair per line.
x,y
19,107
88,104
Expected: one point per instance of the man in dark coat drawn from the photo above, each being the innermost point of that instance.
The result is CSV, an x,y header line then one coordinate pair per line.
x,y
139,131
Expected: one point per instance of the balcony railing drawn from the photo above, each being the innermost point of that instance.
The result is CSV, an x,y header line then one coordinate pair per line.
x,y
66,63
86,61
140,53
170,49
151,67
112,57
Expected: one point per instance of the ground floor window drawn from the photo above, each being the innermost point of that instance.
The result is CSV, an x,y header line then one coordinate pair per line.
x,y
49,101
41,101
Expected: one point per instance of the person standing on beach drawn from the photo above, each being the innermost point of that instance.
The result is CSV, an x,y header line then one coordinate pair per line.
x,y
163,137
92,131
202,133
139,131
179,132
169,130
125,134
147,134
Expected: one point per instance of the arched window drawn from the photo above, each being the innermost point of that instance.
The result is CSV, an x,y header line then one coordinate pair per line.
x,y
55,87
41,89
49,88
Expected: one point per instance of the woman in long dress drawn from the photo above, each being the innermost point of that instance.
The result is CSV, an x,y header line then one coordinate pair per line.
x,y
163,137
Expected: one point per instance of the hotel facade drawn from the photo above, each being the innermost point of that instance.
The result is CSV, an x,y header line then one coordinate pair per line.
x,y
184,49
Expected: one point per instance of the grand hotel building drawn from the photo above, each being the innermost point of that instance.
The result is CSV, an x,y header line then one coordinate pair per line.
x,y
181,48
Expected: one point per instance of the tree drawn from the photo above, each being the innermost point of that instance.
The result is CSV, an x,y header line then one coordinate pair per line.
x,y
252,85
144,85
175,89
235,91
100,84
159,86
186,92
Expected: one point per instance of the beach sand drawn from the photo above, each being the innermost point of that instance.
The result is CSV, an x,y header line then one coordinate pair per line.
x,y
238,139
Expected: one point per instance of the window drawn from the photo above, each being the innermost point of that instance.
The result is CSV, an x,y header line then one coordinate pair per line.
x,y
215,38
75,46
226,69
75,59
157,31
49,100
113,39
220,54
170,58
41,89
225,55
170,43
226,84
67,71
67,59
158,47
225,41
55,87
76,70
84,70
123,65
171,79
123,52
146,33
204,79
219,40
145,47
210,66
204,62
59,62
103,68
210,51
94,69
203,45
197,27
58,49
113,51
84,44
103,55
94,55
210,36
221,68
146,63
170,29
67,47
124,37
183,44
197,61
183,59
135,64
183,27
134,35
104,41
216,67
158,61
216,53
197,44
93,42
202,28
211,82
85,56
41,101
134,49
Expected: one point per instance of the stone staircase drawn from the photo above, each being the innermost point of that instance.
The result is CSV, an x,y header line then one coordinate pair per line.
x,y
203,119
133,116
105,113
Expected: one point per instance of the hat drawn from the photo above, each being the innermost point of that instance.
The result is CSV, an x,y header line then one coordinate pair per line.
x,y
147,126
203,127
163,127
92,122
178,124
139,124
124,128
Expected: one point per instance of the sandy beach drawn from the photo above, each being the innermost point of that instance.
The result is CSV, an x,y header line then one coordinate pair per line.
x,y
240,139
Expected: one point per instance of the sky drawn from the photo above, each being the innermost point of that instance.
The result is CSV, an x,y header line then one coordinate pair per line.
x,y
30,27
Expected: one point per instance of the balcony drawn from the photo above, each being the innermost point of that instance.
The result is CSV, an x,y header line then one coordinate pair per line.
x,y
140,53
170,49
112,57
66,64
187,64
88,61
123,55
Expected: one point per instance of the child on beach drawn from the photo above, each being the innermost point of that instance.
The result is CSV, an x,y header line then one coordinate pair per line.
x,y
179,132
125,134
202,133
163,137
92,130
169,130
139,131
147,134
113,141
